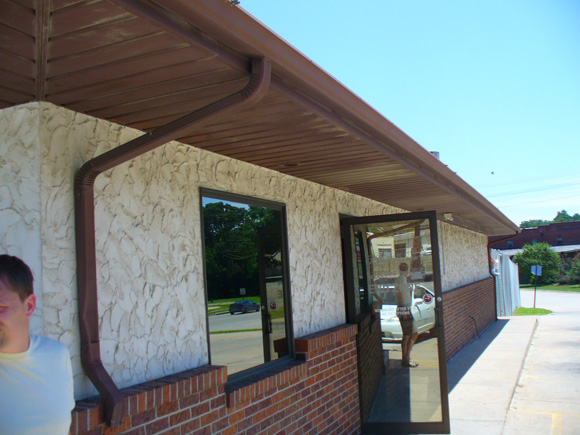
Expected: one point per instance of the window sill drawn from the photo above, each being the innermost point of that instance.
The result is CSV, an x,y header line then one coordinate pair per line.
x,y
243,391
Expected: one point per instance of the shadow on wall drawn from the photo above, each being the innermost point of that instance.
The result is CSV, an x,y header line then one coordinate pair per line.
x,y
460,364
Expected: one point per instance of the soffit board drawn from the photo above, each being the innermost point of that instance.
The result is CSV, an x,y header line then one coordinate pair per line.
x,y
134,63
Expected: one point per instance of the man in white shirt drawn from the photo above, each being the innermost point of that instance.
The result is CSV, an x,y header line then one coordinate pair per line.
x,y
36,387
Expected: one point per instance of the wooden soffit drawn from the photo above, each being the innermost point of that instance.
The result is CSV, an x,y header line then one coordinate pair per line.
x,y
143,64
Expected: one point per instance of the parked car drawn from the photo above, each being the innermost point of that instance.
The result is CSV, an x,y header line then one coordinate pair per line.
x,y
244,306
423,311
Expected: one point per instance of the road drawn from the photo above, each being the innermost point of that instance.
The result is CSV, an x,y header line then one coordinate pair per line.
x,y
238,321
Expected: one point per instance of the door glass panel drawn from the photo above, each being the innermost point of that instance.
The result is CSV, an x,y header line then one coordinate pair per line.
x,y
403,284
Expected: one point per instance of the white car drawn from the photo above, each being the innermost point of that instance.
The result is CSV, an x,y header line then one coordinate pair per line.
x,y
423,311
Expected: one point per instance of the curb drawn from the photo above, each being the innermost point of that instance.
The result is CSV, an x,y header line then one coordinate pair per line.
x,y
524,359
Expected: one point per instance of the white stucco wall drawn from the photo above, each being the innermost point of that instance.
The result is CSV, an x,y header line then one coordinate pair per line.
x,y
464,256
148,233
20,211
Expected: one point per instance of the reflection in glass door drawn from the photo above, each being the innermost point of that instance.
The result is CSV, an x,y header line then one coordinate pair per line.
x,y
398,284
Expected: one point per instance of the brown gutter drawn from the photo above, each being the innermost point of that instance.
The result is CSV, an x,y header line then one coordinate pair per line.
x,y
85,224
302,80
228,30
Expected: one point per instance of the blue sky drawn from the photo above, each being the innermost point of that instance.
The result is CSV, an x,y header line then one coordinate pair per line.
x,y
494,86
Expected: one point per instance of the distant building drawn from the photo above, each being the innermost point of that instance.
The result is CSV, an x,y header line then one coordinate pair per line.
x,y
556,234
563,237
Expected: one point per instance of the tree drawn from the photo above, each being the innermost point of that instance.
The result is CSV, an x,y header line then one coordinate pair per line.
x,y
231,246
540,254
534,223
563,216
574,273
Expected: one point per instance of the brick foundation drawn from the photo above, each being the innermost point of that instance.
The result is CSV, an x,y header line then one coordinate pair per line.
x,y
317,393
371,366
477,300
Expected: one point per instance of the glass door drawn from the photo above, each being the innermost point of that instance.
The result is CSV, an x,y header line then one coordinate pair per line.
x,y
393,285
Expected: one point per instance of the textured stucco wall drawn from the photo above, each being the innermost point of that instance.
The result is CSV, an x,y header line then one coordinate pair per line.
x,y
20,215
464,256
148,233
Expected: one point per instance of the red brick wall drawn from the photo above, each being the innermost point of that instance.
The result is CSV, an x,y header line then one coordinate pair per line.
x,y
477,300
316,394
371,364
567,232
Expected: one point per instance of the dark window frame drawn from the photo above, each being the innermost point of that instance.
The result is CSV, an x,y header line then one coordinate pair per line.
x,y
281,208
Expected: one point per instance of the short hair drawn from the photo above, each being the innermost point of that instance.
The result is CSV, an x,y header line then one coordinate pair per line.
x,y
17,274
403,267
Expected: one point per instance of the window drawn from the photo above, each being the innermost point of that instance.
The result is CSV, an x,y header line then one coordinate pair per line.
x,y
246,280
510,244
385,253
400,250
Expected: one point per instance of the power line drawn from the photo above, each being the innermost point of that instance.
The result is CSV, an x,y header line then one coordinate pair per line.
x,y
536,202
535,178
535,189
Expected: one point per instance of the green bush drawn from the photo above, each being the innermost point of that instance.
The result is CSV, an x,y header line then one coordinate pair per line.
x,y
540,254
574,273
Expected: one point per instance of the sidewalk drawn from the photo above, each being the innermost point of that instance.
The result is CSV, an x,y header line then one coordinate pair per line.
x,y
522,375
547,398
483,376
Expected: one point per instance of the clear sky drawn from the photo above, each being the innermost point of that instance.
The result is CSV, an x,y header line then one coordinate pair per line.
x,y
493,85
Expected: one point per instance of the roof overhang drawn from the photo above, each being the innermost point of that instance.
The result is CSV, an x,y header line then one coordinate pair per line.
x,y
144,64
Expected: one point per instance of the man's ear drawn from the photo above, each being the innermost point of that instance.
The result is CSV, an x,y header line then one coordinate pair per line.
x,y
30,303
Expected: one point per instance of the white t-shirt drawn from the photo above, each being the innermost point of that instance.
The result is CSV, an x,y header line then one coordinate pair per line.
x,y
36,389
404,297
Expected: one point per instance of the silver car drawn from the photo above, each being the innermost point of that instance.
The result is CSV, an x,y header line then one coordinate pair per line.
x,y
423,311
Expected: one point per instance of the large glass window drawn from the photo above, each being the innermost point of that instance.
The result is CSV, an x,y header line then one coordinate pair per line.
x,y
246,280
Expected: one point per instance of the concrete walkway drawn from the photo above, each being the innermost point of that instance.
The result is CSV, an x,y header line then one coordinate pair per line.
x,y
523,375
547,398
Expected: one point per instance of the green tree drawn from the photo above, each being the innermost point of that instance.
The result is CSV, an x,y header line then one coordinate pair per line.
x,y
574,273
563,216
231,246
534,223
540,254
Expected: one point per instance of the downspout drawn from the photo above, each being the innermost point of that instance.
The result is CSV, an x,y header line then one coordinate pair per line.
x,y
85,224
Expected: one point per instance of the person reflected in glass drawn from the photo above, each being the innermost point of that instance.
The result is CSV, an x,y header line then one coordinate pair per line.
x,y
404,303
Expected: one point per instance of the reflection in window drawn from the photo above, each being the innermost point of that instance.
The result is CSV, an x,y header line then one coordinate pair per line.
x,y
244,265
400,250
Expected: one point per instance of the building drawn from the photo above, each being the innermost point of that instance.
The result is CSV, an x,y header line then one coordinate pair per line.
x,y
555,234
122,122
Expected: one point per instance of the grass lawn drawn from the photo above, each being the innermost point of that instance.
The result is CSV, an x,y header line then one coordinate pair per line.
x,y
522,311
575,288
234,330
